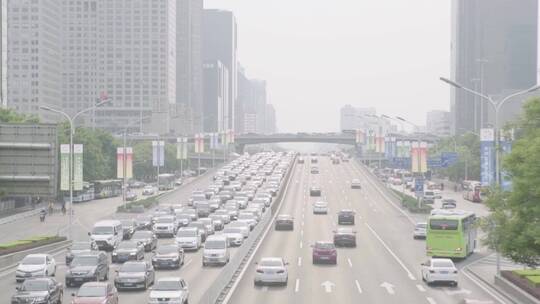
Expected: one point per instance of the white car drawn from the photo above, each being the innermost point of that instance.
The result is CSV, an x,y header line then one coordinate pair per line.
x,y
148,190
188,238
234,236
271,270
355,184
320,208
437,193
35,265
420,230
242,225
439,270
174,289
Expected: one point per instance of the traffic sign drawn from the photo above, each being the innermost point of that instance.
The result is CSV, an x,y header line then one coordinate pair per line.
x,y
448,159
434,162
419,186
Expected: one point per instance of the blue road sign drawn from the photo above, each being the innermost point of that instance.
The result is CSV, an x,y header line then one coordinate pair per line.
x,y
434,162
448,159
419,186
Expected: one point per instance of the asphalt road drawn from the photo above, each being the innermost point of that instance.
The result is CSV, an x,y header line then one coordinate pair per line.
x,y
385,266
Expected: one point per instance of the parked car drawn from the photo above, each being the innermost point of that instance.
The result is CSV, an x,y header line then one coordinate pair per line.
x,y
128,251
135,275
96,293
79,248
147,238
324,252
168,256
173,288
93,266
437,270
35,265
39,290
271,270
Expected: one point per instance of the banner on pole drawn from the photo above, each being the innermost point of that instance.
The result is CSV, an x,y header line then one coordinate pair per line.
x,y
415,157
120,162
158,153
64,167
181,148
423,156
77,167
506,139
487,156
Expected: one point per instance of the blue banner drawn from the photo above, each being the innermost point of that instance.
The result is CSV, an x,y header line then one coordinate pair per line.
x,y
158,153
487,157
506,182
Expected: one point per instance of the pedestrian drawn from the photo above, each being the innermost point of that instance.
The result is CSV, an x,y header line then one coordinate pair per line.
x,y
64,208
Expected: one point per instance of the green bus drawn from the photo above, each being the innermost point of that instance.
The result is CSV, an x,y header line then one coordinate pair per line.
x,y
451,234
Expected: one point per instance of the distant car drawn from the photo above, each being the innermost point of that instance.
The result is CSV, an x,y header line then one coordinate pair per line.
x,y
429,197
79,248
172,288
271,270
87,267
143,222
320,208
128,227
168,256
346,217
216,251
147,238
355,184
178,182
284,222
345,237
324,252
165,226
315,191
189,238
234,235
448,203
128,251
149,190
136,184
420,230
314,170
437,193
135,275
38,290
439,270
35,265
96,293
131,196
301,160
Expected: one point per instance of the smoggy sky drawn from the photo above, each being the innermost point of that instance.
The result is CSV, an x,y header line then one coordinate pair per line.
x,y
317,56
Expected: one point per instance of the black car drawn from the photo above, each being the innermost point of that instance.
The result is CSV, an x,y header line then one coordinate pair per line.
x,y
38,291
135,275
93,266
143,222
168,256
345,237
315,191
346,217
79,248
128,227
128,251
147,238
284,222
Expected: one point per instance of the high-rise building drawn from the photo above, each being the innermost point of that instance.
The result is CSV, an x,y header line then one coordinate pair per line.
x,y
3,54
270,119
353,118
215,97
34,56
438,123
124,50
189,82
242,101
219,43
493,51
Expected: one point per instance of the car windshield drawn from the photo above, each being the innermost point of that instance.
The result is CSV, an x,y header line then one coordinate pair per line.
x,y
163,285
421,225
92,291
84,261
34,285
127,223
271,263
443,264
186,233
345,231
167,250
133,267
33,261
80,246
143,219
139,235
127,245
102,230
215,244
165,220
324,246
232,230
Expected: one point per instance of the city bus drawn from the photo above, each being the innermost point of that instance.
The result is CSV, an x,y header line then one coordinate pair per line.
x,y
451,234
107,188
166,181
84,195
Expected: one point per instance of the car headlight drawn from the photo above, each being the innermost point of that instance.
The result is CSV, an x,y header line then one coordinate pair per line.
x,y
114,253
132,253
40,299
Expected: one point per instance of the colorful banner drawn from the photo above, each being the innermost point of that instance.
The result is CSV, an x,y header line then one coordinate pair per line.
x,y
181,148
360,136
487,157
423,151
230,134
199,143
64,167
120,162
214,141
77,167
158,153
505,142
415,157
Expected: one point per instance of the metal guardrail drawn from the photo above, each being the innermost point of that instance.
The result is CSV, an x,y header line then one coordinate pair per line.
x,y
10,260
219,289
19,216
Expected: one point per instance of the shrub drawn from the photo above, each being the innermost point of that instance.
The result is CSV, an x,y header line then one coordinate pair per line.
x,y
144,203
411,203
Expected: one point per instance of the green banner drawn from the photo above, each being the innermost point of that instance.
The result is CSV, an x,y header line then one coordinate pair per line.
x,y
64,167
78,167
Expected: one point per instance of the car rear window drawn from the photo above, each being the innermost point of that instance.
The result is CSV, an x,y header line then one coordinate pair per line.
x,y
442,224
445,264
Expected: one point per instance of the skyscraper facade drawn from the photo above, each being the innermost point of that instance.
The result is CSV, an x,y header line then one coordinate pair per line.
x,y
3,54
189,77
124,50
493,51
220,43
216,96
34,52
270,119
438,123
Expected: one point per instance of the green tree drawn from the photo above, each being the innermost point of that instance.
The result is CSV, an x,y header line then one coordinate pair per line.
x,y
468,148
142,161
514,224
10,116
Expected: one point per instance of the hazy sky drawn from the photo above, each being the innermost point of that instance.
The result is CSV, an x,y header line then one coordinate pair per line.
x,y
320,55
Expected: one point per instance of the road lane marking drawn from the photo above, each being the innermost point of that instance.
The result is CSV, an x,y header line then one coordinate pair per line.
x,y
358,286
328,286
409,273
482,286
302,232
421,288
389,287
431,300
350,263
299,261
301,245
303,215
297,285
472,301
455,292
186,264
302,223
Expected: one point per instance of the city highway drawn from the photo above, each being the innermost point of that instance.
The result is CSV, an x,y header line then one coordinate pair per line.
x,y
385,266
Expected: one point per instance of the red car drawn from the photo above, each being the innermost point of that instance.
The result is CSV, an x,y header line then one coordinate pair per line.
x,y
96,293
324,252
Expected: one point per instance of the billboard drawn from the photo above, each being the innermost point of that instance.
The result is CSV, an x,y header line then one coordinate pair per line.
x,y
158,153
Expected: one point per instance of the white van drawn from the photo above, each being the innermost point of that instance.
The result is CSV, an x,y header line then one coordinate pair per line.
x,y
216,251
107,234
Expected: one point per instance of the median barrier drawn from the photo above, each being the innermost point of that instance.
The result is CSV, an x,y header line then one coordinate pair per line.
x,y
11,260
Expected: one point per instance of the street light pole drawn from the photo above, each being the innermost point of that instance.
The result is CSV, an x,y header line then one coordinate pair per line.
x,y
71,154
496,107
